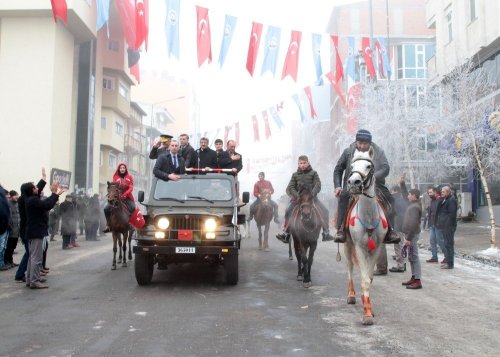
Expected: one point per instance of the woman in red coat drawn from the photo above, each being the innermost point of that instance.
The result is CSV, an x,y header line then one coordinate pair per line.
x,y
125,183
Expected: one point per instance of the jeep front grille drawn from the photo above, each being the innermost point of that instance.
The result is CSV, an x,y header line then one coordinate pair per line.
x,y
191,222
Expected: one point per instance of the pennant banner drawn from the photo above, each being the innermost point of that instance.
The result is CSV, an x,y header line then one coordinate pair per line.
x,y
172,27
255,128
60,10
367,54
316,50
203,37
253,46
291,65
271,50
276,117
141,23
266,124
311,104
102,14
339,69
229,26
126,12
295,97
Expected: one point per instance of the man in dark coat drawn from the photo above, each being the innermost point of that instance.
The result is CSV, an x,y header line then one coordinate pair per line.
x,y
186,150
235,159
363,143
400,205
37,228
21,270
4,226
171,165
205,157
69,217
223,158
446,221
161,147
13,229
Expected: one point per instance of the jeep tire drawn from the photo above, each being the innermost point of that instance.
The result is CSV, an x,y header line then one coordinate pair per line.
x,y
144,266
231,266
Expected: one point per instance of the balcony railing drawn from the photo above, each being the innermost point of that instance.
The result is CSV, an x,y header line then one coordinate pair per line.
x,y
132,144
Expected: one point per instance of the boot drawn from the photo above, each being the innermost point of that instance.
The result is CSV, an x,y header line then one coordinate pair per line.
x,y
284,237
326,235
391,237
412,279
340,236
417,284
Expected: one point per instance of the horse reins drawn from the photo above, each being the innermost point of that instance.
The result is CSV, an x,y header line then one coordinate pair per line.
x,y
368,179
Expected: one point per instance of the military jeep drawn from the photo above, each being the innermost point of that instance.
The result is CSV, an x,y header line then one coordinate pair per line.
x,y
191,220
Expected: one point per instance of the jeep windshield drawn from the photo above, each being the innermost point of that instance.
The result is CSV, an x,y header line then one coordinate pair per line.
x,y
194,188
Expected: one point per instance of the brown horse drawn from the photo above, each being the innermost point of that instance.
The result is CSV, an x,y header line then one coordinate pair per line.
x,y
119,225
263,216
305,225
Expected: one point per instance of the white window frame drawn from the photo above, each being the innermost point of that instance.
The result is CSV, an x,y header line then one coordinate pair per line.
x,y
118,128
420,51
108,83
123,90
112,160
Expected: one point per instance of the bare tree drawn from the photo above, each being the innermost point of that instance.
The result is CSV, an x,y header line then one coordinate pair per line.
x,y
466,103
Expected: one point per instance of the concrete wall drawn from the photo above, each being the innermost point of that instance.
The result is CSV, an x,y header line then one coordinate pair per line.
x,y
36,97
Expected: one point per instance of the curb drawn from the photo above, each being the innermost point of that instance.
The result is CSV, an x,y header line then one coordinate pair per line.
x,y
483,259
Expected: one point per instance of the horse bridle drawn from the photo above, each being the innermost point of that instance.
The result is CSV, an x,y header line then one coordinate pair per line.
x,y
114,199
367,179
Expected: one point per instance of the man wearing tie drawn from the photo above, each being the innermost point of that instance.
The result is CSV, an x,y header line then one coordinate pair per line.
x,y
171,165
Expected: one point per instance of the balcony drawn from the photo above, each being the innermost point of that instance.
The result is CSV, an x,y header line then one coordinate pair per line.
x,y
132,145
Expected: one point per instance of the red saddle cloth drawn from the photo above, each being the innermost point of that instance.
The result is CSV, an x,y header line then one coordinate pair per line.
x,y
137,219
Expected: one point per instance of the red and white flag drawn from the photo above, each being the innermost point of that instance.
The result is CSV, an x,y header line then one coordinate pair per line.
x,y
266,124
353,104
136,72
253,46
60,10
255,128
203,36
141,23
367,54
339,69
291,65
311,104
333,80
126,12
380,60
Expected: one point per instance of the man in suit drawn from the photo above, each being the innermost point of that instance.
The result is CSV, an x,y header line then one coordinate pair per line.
x,y
204,156
37,228
236,161
171,165
186,151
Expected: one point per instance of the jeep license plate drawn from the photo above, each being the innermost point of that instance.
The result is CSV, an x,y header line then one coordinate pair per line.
x,y
185,250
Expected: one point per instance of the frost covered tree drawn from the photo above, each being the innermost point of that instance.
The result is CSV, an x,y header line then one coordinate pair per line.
x,y
466,104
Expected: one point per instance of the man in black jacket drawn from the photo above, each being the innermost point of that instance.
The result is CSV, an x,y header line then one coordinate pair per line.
x,y
446,221
37,228
161,147
171,165
186,150
205,157
4,226
235,159
363,143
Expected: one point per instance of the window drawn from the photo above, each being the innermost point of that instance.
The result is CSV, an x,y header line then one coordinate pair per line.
x,y
449,24
108,83
473,14
415,95
103,122
123,90
119,128
411,60
112,160
113,45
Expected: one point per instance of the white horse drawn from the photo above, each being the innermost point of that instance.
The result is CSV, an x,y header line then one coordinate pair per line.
x,y
367,227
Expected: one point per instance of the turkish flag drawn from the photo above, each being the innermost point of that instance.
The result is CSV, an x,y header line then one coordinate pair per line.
x,y
203,37
266,124
380,60
333,80
135,71
311,104
126,12
141,23
339,69
255,128
60,10
291,66
253,46
367,54
353,104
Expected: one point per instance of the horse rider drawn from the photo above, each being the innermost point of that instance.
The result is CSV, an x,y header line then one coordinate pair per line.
x,y
363,143
258,188
304,175
125,183
171,165
161,146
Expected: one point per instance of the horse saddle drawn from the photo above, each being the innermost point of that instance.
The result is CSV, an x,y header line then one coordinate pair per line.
x,y
352,203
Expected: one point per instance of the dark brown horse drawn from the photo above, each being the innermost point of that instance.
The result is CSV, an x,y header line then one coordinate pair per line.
x,y
118,223
305,225
263,216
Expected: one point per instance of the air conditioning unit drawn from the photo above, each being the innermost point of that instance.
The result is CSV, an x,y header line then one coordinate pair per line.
x,y
464,204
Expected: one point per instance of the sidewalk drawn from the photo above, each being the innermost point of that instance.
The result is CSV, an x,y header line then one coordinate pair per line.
x,y
472,242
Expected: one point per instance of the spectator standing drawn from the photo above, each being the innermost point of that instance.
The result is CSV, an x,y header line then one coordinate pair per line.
x,y
68,221
13,229
92,218
435,234
53,218
446,220
400,206
426,201
37,228
411,228
4,226
81,207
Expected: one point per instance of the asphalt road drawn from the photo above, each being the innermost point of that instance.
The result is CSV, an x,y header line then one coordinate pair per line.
x,y
188,310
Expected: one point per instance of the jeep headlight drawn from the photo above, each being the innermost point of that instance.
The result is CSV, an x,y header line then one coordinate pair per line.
x,y
210,225
163,223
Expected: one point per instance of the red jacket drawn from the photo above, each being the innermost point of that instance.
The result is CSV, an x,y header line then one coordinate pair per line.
x,y
262,185
125,184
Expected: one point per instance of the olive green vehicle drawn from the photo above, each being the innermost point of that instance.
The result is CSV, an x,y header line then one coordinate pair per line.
x,y
195,220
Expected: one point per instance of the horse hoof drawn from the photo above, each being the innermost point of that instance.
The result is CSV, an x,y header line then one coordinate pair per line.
x,y
124,265
367,320
351,300
113,267
290,258
300,278
307,285
119,261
